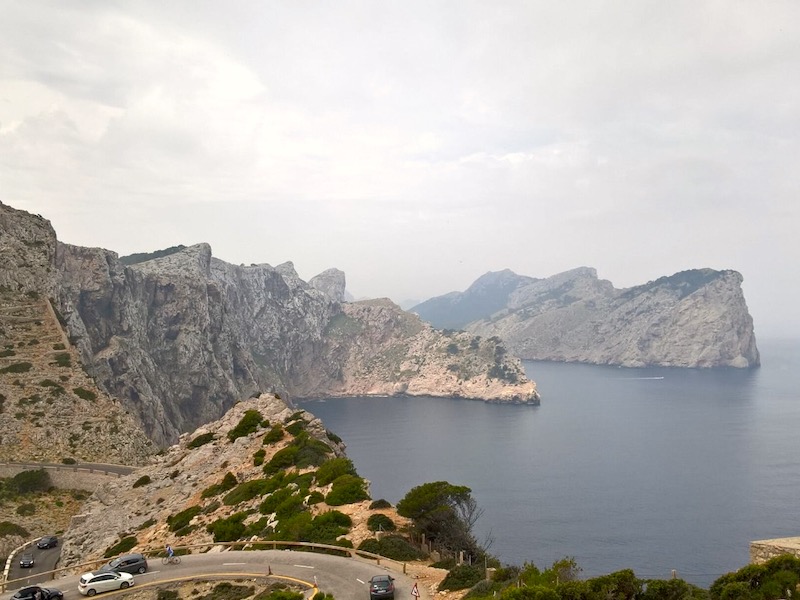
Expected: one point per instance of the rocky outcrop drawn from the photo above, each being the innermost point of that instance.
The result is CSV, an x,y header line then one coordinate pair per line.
x,y
189,475
695,318
179,336
331,283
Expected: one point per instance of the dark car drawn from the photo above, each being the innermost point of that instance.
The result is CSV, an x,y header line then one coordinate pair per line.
x,y
26,560
35,592
381,587
127,563
48,541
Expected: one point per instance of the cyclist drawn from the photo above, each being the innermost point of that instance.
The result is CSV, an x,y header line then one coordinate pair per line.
x,y
170,552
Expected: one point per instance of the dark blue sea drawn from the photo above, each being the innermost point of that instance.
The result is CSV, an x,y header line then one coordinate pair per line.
x,y
650,469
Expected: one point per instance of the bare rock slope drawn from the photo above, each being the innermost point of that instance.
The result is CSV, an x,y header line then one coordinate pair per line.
x,y
695,318
178,337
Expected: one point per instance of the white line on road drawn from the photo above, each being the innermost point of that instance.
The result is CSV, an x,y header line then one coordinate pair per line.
x,y
233,564
359,581
304,566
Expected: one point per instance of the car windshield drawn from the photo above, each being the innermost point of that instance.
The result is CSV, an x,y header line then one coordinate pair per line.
x,y
380,584
115,563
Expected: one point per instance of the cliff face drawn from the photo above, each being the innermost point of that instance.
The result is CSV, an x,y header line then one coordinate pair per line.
x,y
179,336
695,318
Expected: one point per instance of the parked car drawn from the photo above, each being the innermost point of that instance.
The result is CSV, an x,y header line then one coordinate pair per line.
x,y
97,582
381,587
128,563
26,560
34,592
48,541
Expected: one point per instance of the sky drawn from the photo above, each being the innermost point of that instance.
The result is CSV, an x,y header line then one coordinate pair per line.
x,y
417,145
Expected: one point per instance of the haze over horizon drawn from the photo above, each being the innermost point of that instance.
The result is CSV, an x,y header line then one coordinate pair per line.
x,y
417,145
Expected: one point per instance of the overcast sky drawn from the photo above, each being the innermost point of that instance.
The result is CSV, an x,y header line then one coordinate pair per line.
x,y
417,144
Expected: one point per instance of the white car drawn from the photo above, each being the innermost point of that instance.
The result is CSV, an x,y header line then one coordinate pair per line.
x,y
94,583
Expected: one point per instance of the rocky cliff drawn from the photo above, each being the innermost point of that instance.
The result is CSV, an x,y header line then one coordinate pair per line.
x,y
695,318
179,336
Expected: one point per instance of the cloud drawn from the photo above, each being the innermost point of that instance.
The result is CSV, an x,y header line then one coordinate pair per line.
x,y
416,145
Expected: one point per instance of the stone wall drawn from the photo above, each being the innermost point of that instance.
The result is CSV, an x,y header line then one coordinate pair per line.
x,y
66,477
763,550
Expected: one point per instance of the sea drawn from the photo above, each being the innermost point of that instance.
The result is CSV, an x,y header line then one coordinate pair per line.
x,y
660,470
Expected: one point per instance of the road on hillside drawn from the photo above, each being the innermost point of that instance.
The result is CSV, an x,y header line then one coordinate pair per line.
x,y
345,578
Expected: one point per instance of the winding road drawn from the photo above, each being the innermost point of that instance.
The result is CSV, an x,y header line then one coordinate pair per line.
x,y
344,578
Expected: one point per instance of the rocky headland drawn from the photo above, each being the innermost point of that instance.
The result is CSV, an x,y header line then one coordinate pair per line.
x,y
695,318
179,336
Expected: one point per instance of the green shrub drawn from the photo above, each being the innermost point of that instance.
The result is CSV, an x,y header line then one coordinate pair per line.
x,y
296,427
249,423
6,353
282,459
26,509
258,457
201,440
247,490
275,434
228,483
271,503
181,519
391,546
62,359
281,595
167,595
311,451
122,546
30,481
380,522
146,524
7,528
333,437
347,489
228,591
461,577
67,460
334,468
20,367
85,394
143,480
228,530
380,504
315,497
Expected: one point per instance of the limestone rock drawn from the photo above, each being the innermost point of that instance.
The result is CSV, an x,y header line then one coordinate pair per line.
x,y
179,336
695,318
331,283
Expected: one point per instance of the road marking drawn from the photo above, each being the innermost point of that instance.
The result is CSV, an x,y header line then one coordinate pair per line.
x,y
359,581
304,566
231,564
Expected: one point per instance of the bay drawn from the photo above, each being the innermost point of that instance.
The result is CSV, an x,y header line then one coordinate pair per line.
x,y
649,469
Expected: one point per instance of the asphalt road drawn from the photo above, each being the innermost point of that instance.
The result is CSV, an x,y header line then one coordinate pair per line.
x,y
345,578
45,560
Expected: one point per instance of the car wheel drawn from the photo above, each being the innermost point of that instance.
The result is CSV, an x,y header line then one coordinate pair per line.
x,y
142,570
123,585
91,592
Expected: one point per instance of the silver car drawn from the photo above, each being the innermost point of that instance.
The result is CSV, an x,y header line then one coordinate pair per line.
x,y
97,582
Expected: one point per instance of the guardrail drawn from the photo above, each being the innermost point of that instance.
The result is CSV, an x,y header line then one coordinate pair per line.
x,y
254,546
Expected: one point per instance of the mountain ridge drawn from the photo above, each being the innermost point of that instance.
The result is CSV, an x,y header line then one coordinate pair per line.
x,y
696,318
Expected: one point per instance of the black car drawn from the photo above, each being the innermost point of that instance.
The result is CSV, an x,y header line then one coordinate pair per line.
x,y
128,563
26,560
48,541
381,587
35,592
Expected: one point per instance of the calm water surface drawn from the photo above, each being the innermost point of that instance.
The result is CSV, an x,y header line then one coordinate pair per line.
x,y
650,469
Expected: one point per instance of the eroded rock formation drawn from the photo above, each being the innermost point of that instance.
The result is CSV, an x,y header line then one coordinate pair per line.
x,y
180,336
695,318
